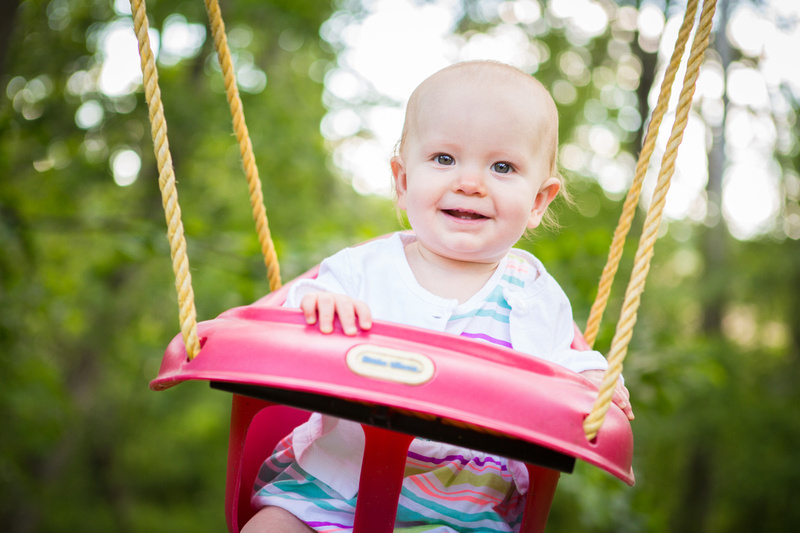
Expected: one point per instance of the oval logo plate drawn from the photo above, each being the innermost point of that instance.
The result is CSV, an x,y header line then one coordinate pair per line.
x,y
388,364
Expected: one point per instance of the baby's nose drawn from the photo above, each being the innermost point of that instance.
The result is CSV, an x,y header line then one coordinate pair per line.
x,y
471,181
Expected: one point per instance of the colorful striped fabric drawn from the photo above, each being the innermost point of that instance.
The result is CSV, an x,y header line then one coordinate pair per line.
x,y
446,489
461,492
488,320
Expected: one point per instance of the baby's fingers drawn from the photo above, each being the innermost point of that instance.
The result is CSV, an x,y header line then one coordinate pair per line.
x,y
351,311
308,305
319,307
326,311
621,396
364,314
345,310
622,399
324,307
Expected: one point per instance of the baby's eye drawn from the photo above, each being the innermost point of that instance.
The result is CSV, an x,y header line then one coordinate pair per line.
x,y
502,168
444,159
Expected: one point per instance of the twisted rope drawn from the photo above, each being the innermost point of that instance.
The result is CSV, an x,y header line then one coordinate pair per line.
x,y
630,306
622,337
245,145
632,199
166,183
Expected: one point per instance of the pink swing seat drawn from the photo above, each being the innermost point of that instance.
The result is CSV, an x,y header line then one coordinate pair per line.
x,y
398,382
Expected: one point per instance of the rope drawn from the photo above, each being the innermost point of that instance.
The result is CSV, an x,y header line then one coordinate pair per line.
x,y
245,145
632,199
630,306
623,334
166,183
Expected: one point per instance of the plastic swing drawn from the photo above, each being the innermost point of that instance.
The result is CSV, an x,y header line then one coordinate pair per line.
x,y
398,381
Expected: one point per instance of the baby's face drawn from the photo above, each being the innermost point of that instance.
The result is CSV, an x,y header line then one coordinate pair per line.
x,y
475,167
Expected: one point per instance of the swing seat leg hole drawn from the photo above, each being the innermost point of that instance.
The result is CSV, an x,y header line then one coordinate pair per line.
x,y
201,342
593,441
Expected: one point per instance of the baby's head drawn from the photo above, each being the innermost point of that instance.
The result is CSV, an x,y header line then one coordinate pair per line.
x,y
491,79
477,159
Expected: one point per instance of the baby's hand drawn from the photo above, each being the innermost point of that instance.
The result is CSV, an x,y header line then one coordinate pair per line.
x,y
327,305
621,395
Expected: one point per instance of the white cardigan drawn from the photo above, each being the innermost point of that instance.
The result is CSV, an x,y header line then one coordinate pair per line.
x,y
378,273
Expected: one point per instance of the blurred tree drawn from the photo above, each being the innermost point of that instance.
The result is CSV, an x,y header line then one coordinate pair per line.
x,y
88,303
715,348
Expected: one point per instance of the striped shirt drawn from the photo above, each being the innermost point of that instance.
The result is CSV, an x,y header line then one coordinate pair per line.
x,y
487,318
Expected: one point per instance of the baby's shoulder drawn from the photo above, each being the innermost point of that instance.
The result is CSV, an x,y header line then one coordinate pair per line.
x,y
524,265
373,247
525,272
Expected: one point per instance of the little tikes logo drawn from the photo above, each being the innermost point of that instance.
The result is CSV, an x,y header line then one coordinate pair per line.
x,y
388,364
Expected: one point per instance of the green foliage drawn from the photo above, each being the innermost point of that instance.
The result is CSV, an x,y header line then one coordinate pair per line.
x,y
713,362
88,302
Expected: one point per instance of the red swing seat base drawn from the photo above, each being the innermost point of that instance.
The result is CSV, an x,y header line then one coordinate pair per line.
x,y
258,425
397,381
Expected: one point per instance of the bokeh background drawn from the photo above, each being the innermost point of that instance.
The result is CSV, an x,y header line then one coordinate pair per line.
x,y
87,301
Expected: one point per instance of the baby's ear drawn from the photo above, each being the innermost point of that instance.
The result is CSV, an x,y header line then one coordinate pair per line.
x,y
400,181
547,193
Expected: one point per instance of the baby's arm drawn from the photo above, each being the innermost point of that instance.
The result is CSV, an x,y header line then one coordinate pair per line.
x,y
621,395
323,307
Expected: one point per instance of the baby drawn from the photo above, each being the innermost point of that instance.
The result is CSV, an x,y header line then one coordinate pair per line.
x,y
475,170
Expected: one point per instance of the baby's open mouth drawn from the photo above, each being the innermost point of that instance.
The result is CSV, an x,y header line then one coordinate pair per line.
x,y
464,215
